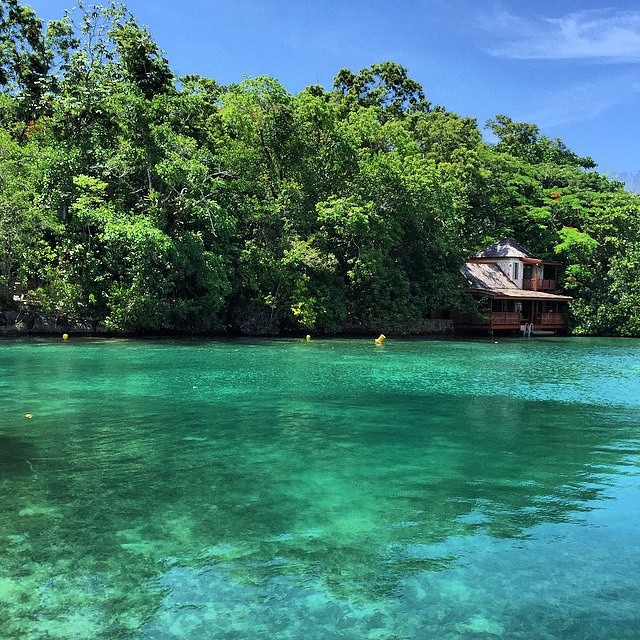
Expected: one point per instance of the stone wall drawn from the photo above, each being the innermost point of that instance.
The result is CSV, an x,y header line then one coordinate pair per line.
x,y
252,321
29,321
437,327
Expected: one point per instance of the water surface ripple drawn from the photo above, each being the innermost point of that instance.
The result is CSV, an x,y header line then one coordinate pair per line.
x,y
328,489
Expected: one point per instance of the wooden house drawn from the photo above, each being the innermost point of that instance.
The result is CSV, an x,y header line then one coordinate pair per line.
x,y
518,290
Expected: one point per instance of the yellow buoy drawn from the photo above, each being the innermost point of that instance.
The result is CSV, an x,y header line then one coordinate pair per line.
x,y
65,336
28,416
307,337
380,339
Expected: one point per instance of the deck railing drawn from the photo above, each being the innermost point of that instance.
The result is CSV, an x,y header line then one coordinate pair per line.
x,y
548,319
539,284
505,318
509,321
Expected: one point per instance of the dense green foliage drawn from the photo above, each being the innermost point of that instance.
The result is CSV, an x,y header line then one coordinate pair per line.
x,y
135,201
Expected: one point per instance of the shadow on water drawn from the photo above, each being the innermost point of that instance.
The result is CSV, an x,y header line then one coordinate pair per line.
x,y
15,455
334,491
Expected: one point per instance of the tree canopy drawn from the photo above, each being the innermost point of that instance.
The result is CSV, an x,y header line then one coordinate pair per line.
x,y
133,200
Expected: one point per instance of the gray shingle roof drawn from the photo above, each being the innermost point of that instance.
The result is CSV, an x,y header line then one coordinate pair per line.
x,y
504,249
490,279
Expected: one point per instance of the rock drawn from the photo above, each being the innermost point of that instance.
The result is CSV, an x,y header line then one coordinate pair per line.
x,y
10,317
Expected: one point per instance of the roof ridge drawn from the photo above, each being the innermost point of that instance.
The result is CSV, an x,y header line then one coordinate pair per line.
x,y
504,248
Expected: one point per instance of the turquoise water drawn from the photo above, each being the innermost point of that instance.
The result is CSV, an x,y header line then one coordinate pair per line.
x,y
330,489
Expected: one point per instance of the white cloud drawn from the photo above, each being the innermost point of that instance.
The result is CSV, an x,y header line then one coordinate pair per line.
x,y
596,34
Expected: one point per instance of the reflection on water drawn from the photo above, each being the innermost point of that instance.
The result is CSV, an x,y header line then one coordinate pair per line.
x,y
287,489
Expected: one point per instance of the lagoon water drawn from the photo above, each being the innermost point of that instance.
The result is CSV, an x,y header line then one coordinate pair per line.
x,y
280,489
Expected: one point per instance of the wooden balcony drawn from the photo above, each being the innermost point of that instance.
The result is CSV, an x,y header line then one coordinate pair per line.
x,y
504,319
539,284
548,321
510,321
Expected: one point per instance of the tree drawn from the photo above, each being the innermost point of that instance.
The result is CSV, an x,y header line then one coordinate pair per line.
x,y
601,260
386,85
523,140
140,60
22,221
25,59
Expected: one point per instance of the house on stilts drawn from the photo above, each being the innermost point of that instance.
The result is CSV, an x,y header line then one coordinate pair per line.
x,y
518,291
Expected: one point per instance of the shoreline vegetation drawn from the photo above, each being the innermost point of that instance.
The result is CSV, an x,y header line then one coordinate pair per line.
x,y
134,202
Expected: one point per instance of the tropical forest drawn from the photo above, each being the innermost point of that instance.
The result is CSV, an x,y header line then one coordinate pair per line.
x,y
134,201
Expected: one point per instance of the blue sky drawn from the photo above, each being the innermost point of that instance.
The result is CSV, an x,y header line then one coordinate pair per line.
x,y
571,67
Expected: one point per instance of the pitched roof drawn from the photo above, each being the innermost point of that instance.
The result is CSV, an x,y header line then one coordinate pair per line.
x,y
489,279
486,276
504,249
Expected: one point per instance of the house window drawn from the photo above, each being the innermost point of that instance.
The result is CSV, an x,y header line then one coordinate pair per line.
x,y
515,270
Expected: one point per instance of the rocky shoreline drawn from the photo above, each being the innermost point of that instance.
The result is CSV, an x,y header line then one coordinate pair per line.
x,y
15,323
32,322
